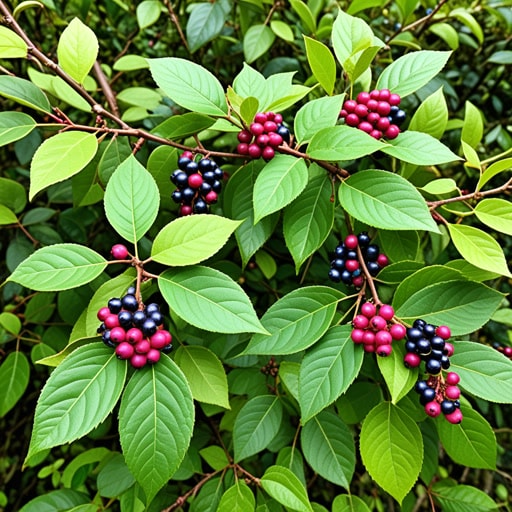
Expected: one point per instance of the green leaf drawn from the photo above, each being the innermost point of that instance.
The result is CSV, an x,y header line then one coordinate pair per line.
x,y
79,394
10,322
116,152
327,370
14,126
296,321
440,186
329,448
190,240
322,63
256,425
431,116
114,477
495,213
419,149
467,19
130,62
400,245
140,97
473,127
461,498
463,305
60,157
131,200
205,374
24,92
278,184
282,30
315,115
77,50
282,485
501,57
59,267
250,82
7,216
493,170
238,204
13,195
342,143
446,32
14,378
209,299
179,126
484,372
12,45
148,13
412,71
386,201
189,85
308,220
471,443
204,24
349,503
63,499
156,420
392,449
238,498
257,41
479,248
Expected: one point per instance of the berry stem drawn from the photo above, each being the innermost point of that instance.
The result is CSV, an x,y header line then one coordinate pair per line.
x,y
369,278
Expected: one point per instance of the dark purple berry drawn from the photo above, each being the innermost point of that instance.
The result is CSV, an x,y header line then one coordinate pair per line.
x,y
130,303
115,305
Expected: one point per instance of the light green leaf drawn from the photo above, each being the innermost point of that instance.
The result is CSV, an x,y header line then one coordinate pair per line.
x,y
495,213
278,184
473,127
205,374
10,322
484,372
412,71
431,116
440,186
60,157
189,85
308,220
131,200
321,62
77,50
282,485
462,14
156,420
204,24
419,149
305,14
209,299
479,248
190,240
493,170
114,477
282,30
256,425
329,448
140,97
14,378
257,41
79,394
349,503
59,267
238,498
342,143
462,498
447,33
296,321
12,45
385,200
148,13
391,447
327,370
14,126
7,216
24,92
130,63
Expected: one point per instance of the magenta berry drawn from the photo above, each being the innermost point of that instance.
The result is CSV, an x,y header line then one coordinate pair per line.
x,y
368,338
103,313
383,338
433,409
397,331
392,132
382,260
254,150
412,360
394,99
256,129
261,118
357,335
452,378
211,197
363,97
361,111
268,153
386,311
275,140
443,332
117,334
124,350
350,105
186,210
448,349
352,119
378,323
384,350
351,241
142,347
360,322
368,309
351,265
111,321
358,281
195,180
119,252
242,148
153,356
159,340
134,335
454,417
244,136
452,392
365,126
384,95
138,360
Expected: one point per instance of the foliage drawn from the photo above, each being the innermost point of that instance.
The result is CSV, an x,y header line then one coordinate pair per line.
x,y
265,402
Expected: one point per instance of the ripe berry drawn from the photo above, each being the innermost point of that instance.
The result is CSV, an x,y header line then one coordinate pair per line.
x,y
455,417
452,392
392,132
397,331
351,241
452,378
148,327
114,305
103,313
433,409
394,99
142,347
357,335
134,335
256,129
124,350
268,153
433,366
138,360
427,395
383,338
153,356
334,275
386,311
412,360
360,322
444,332
447,406
119,252
195,180
117,334
368,309
384,350
111,321
352,119
130,303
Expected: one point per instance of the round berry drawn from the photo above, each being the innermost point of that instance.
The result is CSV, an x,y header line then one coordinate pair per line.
x,y
188,194
192,168
423,347
427,395
262,140
386,311
420,386
365,126
211,197
394,99
130,303
452,392
138,360
383,108
352,119
125,319
357,335
343,113
383,124
200,206
115,305
368,309
363,239
274,139
346,277
372,104
433,366
159,340
373,117
384,94
372,252
368,338
334,275
360,322
412,360
242,148
444,332
153,356
351,241
448,349
383,338
358,281
119,252
111,321
183,161
378,323
361,111
375,94
124,350
185,210
350,105
268,153
261,118
103,313
134,335
142,347
256,129
452,378
397,331
167,348
447,406
433,409
384,350
270,126
369,347
148,327
117,334
392,132
363,97
195,180
254,151
351,265
507,351
382,260
284,132
376,134
455,417
414,334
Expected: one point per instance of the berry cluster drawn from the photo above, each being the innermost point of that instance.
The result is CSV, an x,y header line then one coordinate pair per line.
x,y
264,135
135,333
506,350
345,265
197,184
440,395
372,329
428,343
376,113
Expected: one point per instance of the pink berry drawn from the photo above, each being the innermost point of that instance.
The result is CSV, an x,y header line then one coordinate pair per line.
x,y
365,126
195,180
378,323
452,378
397,331
433,409
142,347
357,335
111,321
369,347
124,350
451,392
361,111
384,94
153,356
270,126
392,132
368,309
134,335
138,360
384,350
103,313
185,210
383,338
352,119
117,334
454,417
268,153
254,151
382,260
119,252
376,134
351,265
270,116
242,148
256,129
358,281
373,117
351,242
158,340
350,105
386,311
412,360
369,338
383,108
448,349
443,332
375,94
274,139
260,118
262,140
245,136
372,105
383,124
343,113
507,351
187,154
360,322
278,119
394,99
211,197
363,97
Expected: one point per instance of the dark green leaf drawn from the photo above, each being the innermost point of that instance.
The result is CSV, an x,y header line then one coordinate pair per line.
x,y
177,127
205,23
14,126
461,498
14,378
24,92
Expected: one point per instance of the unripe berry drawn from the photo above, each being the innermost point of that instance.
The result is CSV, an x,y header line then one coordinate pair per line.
x,y
352,119
138,360
433,409
119,252
274,139
384,350
448,349
351,265
254,151
242,148
350,105
134,335
372,104
185,210
195,180
375,94
142,347
394,99
358,281
382,260
452,392
378,323
369,347
158,340
383,338
268,153
360,322
111,321
452,378
357,335
343,113
256,129
397,331
507,351
245,136
383,124
124,350
278,119
187,154
363,97
351,241
117,334
368,338
373,117
376,134
392,132
211,197
262,140
365,126
384,94
261,118
386,311
103,313
361,110
443,332
270,126
153,356
455,417
368,309
412,360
